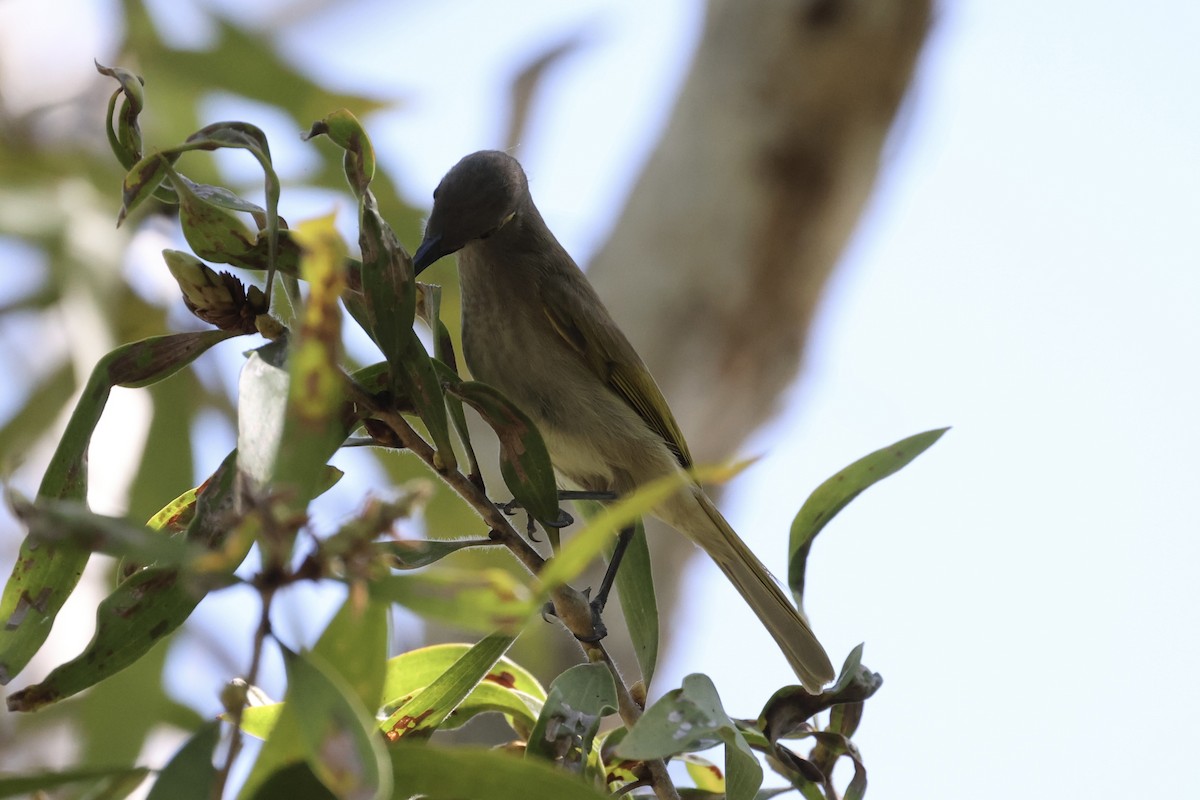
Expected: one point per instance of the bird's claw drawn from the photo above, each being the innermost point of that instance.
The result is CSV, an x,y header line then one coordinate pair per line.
x,y
599,630
511,508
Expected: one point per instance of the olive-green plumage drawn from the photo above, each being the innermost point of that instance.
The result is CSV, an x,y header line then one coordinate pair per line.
x,y
534,328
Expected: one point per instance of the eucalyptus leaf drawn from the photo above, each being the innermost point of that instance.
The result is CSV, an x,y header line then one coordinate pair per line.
x,y
44,576
126,138
792,706
424,712
471,773
150,603
691,719
190,774
416,553
355,644
323,724
28,784
473,599
524,460
836,493
586,545
566,728
639,606
409,672
314,426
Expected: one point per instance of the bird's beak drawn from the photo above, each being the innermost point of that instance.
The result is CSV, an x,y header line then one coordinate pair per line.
x,y
431,250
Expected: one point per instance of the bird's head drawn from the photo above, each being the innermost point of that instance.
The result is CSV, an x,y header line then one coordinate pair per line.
x,y
477,197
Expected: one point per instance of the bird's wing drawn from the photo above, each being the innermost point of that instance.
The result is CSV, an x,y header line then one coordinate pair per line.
x,y
610,355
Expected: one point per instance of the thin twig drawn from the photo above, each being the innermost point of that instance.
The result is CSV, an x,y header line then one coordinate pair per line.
x,y
267,594
461,484
631,712
569,605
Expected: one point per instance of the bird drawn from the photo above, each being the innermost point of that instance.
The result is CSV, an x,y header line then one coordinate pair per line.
x,y
534,328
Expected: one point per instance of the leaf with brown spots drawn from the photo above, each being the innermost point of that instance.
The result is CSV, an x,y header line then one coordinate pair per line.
x,y
410,672
433,704
524,461
149,604
50,572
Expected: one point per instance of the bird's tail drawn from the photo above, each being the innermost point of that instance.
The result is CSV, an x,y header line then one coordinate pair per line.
x,y
704,525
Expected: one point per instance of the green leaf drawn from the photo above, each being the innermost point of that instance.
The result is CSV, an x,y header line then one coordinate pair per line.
x,y
142,181
291,413
314,426
25,785
692,719
176,515
388,282
43,577
59,522
635,588
790,707
505,690
524,460
566,729
416,379
836,493
190,774
425,711
470,773
151,603
260,721
639,606
294,780
831,747
473,599
458,416
387,303
213,233
126,138
416,553
325,725
520,710
344,129
410,672
286,256
705,774
355,643
586,545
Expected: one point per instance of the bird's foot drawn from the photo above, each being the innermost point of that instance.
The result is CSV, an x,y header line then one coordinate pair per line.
x,y
591,631
513,506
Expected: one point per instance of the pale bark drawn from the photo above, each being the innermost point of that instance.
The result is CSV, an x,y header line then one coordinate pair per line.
x,y
718,261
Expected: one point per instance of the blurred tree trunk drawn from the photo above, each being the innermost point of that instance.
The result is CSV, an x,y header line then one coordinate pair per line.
x,y
719,258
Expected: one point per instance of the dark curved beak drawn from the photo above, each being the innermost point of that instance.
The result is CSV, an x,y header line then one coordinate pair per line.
x,y
431,250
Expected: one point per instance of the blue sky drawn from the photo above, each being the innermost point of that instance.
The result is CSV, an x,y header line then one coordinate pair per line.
x,y
1026,272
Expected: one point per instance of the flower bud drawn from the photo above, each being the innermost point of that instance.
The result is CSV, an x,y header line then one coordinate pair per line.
x,y
217,298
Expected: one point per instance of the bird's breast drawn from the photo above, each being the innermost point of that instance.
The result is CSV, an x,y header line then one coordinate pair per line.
x,y
596,440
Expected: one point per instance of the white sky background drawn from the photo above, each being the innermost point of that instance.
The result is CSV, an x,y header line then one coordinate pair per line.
x,y
1025,273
